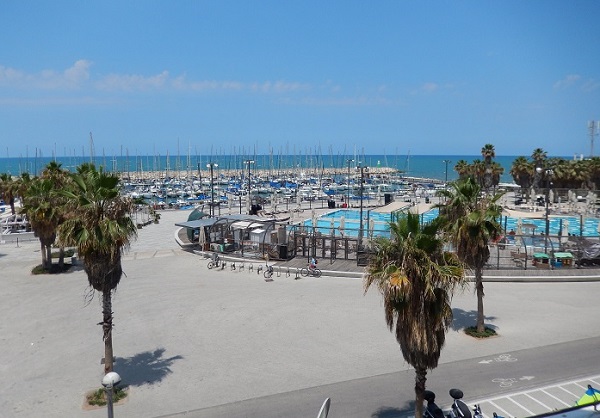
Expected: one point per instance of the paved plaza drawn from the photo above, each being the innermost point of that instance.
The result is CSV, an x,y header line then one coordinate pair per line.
x,y
187,338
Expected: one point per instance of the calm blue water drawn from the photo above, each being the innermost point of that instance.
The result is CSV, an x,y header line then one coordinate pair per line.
x,y
589,228
426,166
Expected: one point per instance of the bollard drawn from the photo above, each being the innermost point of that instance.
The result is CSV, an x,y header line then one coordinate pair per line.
x,y
278,271
288,273
242,267
250,267
297,274
233,265
258,270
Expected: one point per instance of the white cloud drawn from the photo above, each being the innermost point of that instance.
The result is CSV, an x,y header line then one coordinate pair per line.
x,y
429,87
133,82
72,77
567,82
590,85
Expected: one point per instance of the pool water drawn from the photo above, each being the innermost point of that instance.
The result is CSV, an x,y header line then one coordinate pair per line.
x,y
376,224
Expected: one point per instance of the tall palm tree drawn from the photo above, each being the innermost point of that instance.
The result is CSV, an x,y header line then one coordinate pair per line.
x,y
100,227
417,279
471,222
488,152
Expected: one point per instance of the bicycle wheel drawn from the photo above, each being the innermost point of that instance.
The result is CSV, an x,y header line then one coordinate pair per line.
x,y
317,273
268,274
210,264
304,272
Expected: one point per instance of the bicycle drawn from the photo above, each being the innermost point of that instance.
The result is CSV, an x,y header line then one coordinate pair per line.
x,y
215,262
268,272
308,271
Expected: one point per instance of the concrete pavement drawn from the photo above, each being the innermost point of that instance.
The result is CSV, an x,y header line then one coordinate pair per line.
x,y
187,337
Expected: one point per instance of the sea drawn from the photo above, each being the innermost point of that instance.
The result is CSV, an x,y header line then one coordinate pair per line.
x,y
440,167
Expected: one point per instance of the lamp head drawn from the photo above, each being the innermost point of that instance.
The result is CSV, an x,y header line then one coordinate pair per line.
x,y
111,379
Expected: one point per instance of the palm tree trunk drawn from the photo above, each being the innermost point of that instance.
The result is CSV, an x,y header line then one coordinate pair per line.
x,y
44,255
107,330
480,295
420,379
48,250
61,259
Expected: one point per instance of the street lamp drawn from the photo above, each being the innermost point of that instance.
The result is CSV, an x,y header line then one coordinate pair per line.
x,y
212,188
348,184
109,381
546,175
249,162
362,170
446,162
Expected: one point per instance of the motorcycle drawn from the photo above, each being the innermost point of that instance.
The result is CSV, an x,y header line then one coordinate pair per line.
x,y
458,410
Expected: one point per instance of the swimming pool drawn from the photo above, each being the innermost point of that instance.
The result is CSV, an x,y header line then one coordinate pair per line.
x,y
378,223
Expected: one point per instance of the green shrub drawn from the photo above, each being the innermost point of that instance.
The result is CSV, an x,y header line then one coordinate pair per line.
x,y
98,397
70,252
55,269
487,332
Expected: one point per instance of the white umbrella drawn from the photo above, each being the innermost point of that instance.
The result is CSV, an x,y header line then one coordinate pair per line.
x,y
314,220
201,236
519,226
342,225
565,228
332,226
371,227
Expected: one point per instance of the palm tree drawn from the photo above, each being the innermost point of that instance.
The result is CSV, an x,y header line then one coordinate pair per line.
x,y
522,172
488,152
8,190
462,168
417,279
44,214
100,227
471,222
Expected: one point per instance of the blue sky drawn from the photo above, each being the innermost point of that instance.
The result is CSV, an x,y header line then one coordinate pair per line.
x,y
425,77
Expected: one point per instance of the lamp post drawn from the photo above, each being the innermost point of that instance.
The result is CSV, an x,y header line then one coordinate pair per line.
x,y
109,381
446,172
362,170
348,184
212,188
546,175
249,162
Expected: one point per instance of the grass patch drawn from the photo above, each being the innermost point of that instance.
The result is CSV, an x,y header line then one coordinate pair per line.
x,y
487,332
98,397
54,269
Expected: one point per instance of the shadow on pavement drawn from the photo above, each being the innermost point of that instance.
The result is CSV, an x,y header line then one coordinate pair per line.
x,y
463,319
393,412
148,367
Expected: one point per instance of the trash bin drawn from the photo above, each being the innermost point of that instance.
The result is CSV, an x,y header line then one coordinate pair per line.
x,y
388,198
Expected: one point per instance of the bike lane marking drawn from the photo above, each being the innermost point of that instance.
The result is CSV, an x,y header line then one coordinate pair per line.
x,y
548,398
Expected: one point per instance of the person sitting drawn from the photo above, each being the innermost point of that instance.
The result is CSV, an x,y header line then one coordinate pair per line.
x,y
313,263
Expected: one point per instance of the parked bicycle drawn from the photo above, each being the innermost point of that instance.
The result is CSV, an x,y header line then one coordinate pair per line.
x,y
310,271
214,262
268,272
